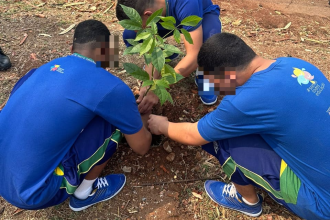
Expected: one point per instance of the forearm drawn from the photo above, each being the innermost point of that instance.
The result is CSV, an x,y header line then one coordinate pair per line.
x,y
148,69
184,133
187,65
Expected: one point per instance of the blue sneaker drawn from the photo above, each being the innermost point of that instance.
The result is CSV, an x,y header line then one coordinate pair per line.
x,y
206,99
104,189
227,196
209,99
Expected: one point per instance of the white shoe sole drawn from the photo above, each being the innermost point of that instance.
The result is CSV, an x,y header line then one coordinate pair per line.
x,y
211,103
246,213
85,207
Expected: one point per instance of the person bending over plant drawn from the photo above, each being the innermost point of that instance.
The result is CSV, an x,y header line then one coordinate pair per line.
x,y
179,10
63,122
273,134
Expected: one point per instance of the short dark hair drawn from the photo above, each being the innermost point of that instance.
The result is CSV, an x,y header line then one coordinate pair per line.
x,y
139,5
89,32
225,50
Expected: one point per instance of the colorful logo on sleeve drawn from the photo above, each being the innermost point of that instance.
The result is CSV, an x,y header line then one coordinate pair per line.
x,y
303,77
56,68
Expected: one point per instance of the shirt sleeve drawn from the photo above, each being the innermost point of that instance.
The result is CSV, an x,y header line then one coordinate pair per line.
x,y
119,108
227,121
187,8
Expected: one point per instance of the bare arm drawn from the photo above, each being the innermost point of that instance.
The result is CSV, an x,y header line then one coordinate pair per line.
x,y
185,133
189,63
140,141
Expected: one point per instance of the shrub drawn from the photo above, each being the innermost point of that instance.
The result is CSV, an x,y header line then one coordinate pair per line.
x,y
155,49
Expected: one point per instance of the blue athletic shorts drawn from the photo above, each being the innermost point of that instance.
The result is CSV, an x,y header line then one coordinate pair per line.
x,y
249,160
95,145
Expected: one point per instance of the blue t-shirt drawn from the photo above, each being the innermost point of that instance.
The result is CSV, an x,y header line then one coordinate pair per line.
x,y
180,9
45,115
288,104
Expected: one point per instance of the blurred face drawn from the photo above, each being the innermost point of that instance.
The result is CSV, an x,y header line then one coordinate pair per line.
x,y
107,52
219,81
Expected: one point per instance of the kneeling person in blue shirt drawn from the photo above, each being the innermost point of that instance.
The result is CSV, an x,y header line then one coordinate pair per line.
x,y
63,122
179,9
272,134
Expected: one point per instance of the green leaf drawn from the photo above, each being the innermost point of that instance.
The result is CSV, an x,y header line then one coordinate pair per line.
x,y
177,36
141,75
139,32
153,87
168,25
148,83
130,25
162,83
160,40
167,60
167,53
169,69
154,17
192,20
162,73
142,36
187,36
158,59
146,46
171,80
147,58
172,49
153,45
179,77
153,28
136,48
169,19
130,67
136,71
132,42
132,14
128,50
163,95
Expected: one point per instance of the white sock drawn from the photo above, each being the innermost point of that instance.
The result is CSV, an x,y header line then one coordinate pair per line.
x,y
84,189
249,203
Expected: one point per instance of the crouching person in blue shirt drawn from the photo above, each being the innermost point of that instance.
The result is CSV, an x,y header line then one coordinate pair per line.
x,y
179,9
63,122
272,132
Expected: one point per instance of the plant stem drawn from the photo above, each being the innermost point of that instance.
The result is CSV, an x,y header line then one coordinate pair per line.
x,y
171,31
152,78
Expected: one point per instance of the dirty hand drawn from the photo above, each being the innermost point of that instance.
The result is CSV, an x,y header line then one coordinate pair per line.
x,y
158,124
146,102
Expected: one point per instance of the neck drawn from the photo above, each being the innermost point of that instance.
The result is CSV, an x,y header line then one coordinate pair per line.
x,y
256,65
86,53
161,4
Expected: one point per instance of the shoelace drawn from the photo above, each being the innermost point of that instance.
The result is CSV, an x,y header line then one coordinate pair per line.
x,y
102,182
230,190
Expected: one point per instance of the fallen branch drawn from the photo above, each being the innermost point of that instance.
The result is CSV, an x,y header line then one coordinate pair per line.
x,y
68,29
165,170
22,41
315,41
108,8
73,4
177,181
284,39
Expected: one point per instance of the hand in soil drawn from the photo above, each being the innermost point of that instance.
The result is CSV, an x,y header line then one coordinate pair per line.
x,y
146,103
157,124
145,118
